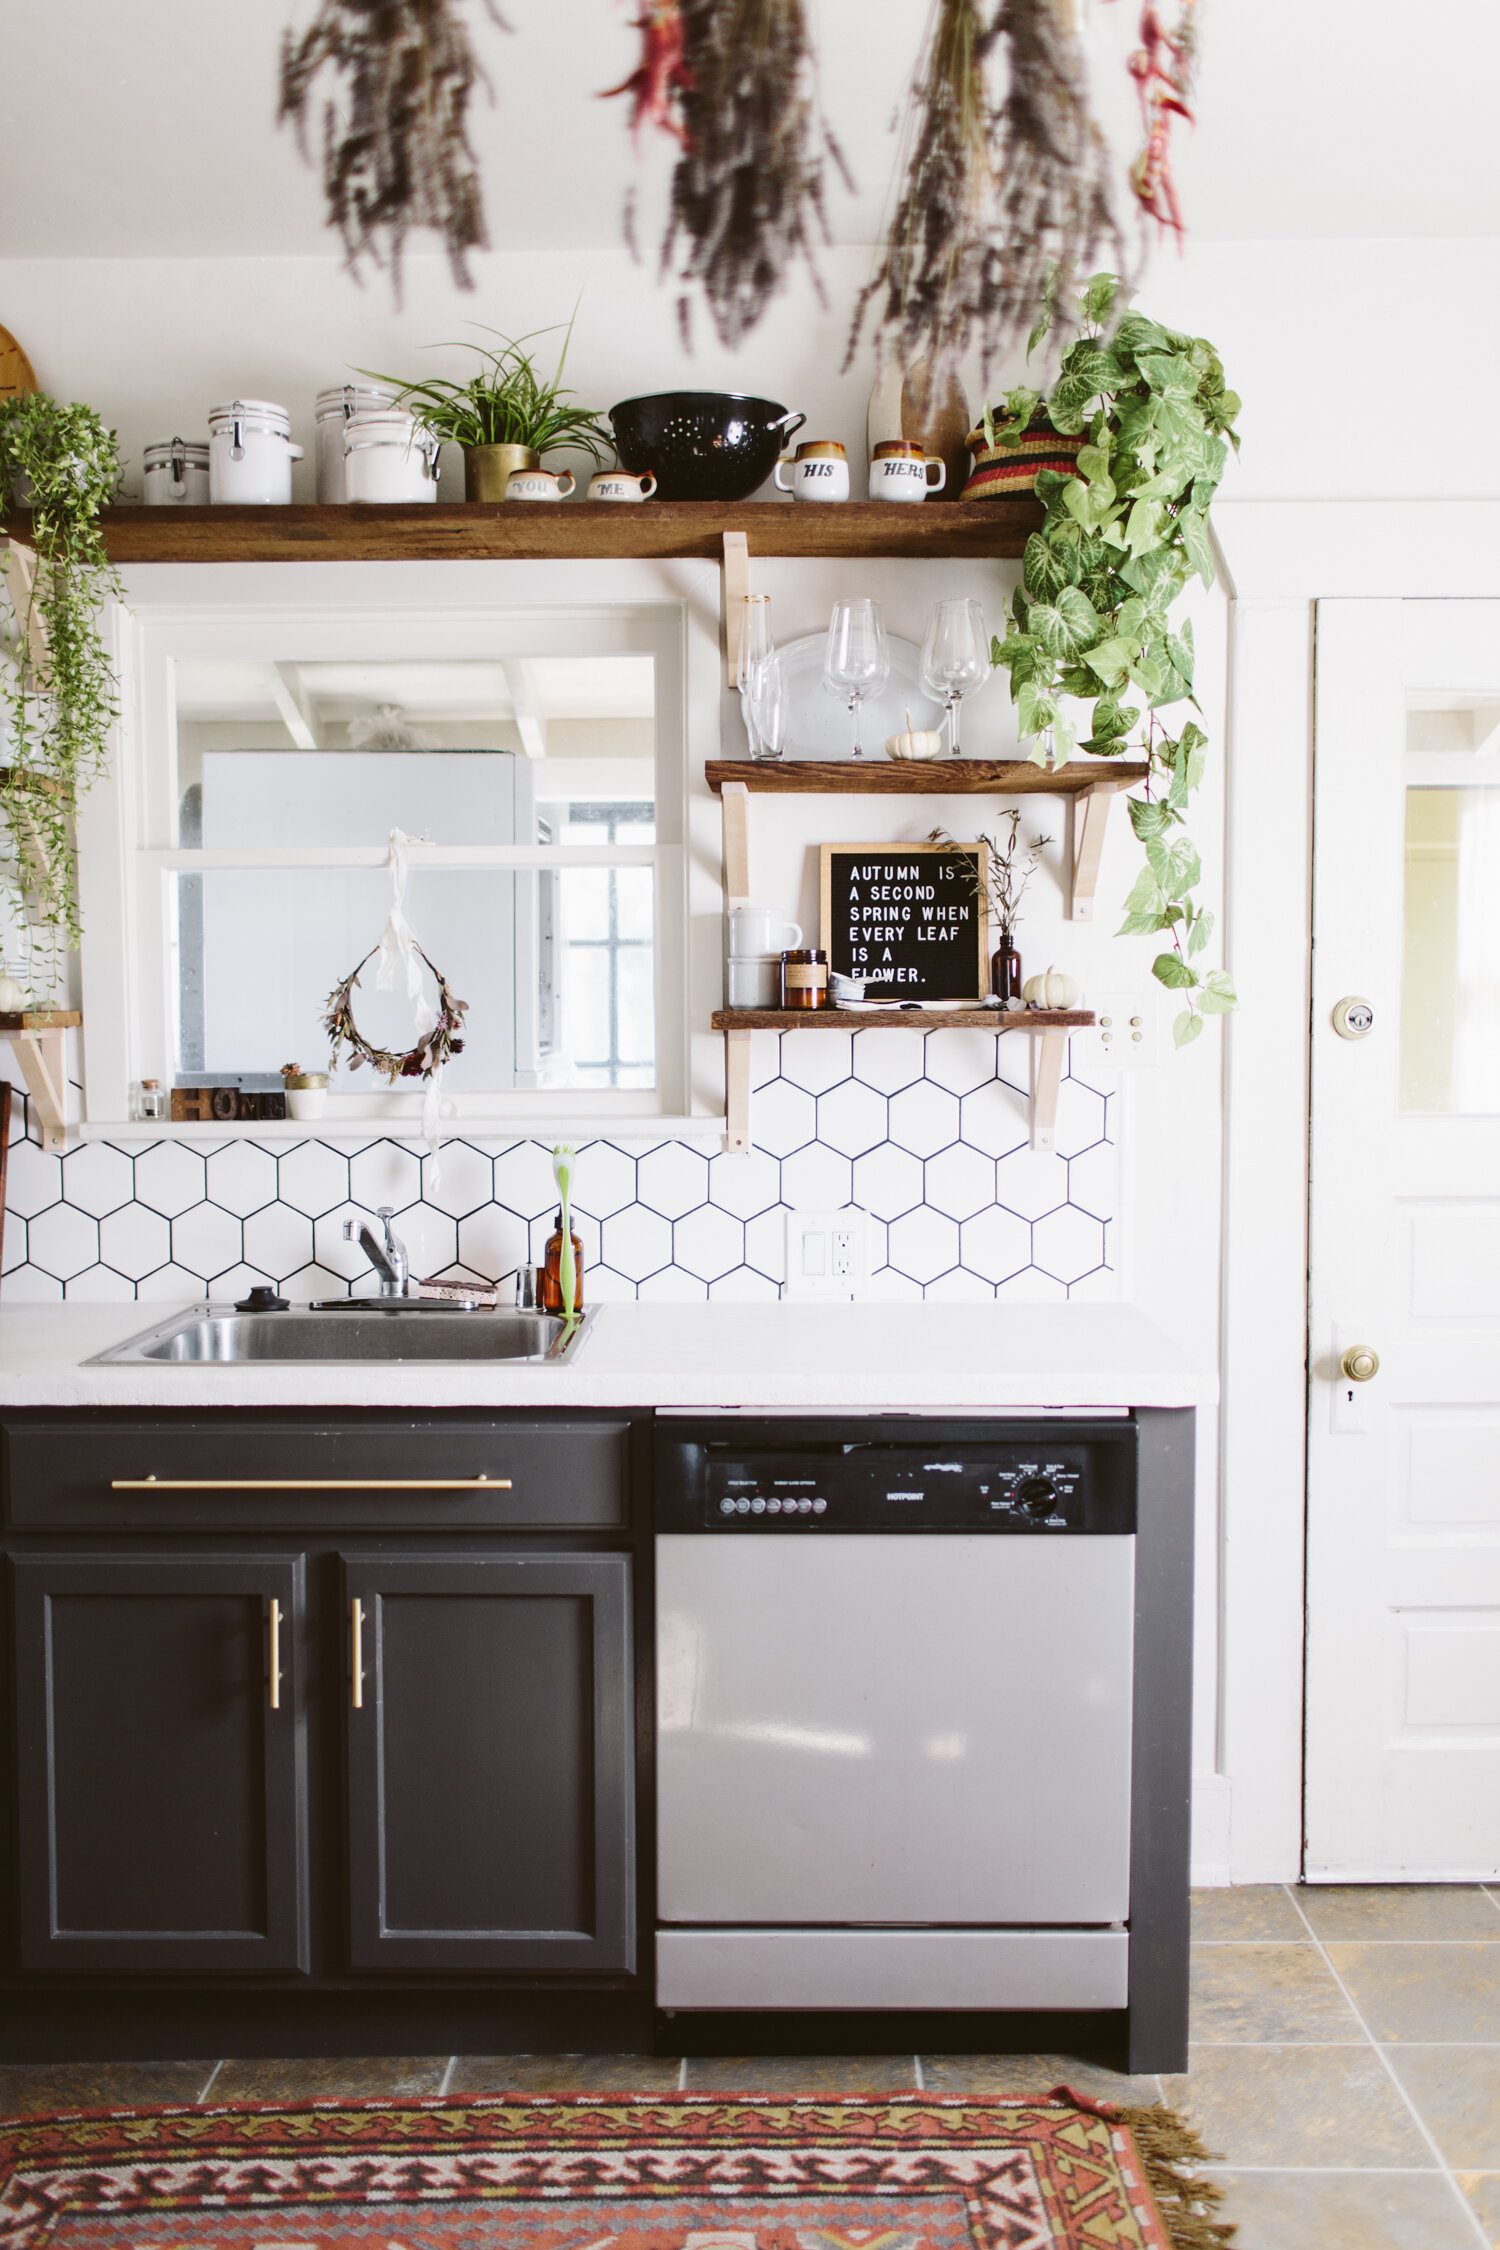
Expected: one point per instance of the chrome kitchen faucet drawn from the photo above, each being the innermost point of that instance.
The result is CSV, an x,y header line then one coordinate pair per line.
x,y
387,1256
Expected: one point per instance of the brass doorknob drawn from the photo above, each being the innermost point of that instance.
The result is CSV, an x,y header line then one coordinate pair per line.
x,y
1360,1362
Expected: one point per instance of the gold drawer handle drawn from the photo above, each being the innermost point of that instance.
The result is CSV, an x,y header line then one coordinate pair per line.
x,y
309,1484
357,1650
275,1656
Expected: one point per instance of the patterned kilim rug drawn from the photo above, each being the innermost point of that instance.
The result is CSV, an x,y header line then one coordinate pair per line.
x,y
691,2172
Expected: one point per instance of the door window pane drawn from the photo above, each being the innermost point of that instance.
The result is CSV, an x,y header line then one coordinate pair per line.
x,y
1450,976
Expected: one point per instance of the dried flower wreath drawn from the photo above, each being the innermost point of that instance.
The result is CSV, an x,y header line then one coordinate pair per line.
x,y
396,154
431,1050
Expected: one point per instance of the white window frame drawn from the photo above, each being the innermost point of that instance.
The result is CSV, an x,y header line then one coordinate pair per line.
x,y
302,612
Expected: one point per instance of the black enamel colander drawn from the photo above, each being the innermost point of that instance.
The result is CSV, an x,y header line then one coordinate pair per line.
x,y
702,445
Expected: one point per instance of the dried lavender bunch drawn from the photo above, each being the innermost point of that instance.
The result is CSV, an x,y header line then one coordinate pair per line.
x,y
1003,199
396,151
747,191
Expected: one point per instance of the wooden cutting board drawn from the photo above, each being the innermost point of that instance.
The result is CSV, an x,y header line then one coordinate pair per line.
x,y
16,373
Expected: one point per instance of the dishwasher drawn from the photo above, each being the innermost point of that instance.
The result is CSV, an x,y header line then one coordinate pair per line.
x,y
897,1715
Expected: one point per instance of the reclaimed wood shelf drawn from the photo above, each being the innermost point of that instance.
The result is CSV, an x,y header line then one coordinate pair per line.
x,y
920,777
1048,1029
544,531
37,1035
902,1019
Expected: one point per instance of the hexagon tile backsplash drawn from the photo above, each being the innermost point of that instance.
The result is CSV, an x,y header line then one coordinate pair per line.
x,y
921,1133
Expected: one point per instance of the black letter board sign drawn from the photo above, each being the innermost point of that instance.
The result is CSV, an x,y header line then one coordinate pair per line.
x,y
908,918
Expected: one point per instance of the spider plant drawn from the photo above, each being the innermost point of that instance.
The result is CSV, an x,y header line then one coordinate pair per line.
x,y
505,402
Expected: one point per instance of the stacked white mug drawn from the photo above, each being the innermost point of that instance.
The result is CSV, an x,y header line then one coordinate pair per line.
x,y
757,937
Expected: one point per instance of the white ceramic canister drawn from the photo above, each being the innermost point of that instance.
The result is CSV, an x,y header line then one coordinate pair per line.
x,y
388,456
334,408
175,475
250,453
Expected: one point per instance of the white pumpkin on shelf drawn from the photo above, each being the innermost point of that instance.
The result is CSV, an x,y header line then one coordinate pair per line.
x,y
12,995
1053,989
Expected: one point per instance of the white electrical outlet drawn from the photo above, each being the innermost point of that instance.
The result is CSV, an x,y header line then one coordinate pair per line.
x,y
827,1254
1129,1027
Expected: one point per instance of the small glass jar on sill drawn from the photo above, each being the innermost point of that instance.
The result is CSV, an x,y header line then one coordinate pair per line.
x,y
151,1103
804,978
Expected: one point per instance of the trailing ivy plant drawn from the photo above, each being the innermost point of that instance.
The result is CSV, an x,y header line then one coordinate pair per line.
x,y
57,686
1091,618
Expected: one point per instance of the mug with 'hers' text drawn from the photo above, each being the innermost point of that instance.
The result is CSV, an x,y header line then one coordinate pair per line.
x,y
900,470
819,470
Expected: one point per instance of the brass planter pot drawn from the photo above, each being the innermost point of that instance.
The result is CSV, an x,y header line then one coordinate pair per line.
x,y
488,468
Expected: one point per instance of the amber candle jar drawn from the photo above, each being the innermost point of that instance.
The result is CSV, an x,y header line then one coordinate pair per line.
x,y
552,1290
804,978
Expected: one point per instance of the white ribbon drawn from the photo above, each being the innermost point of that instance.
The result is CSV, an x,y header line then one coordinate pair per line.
x,y
397,945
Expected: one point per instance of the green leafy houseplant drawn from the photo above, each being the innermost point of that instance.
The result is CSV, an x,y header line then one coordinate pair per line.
x,y
1091,618
506,402
57,686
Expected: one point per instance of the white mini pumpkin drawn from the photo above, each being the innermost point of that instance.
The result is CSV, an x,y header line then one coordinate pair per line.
x,y
12,996
914,742
1052,989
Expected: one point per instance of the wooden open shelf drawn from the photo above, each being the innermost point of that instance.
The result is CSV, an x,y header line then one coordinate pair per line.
x,y
920,777
902,1019
545,531
42,1019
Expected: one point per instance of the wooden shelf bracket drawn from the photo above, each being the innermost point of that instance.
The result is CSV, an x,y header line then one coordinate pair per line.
x,y
736,587
735,805
40,1055
1088,817
737,1140
1049,1051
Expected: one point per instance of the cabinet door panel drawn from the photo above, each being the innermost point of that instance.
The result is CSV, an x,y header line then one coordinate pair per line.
x,y
161,1798
489,1767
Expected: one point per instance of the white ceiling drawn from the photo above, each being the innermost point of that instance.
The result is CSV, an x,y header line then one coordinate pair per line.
x,y
146,130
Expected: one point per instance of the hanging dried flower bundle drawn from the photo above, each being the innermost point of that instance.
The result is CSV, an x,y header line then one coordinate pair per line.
x,y
660,79
733,82
1162,67
396,151
1004,195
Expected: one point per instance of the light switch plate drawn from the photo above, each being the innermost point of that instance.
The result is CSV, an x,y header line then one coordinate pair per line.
x,y
1130,1027
827,1254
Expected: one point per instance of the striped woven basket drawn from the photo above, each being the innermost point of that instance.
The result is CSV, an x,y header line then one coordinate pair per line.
x,y
999,471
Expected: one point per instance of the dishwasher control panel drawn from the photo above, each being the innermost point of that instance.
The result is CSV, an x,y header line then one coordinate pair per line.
x,y
1053,1482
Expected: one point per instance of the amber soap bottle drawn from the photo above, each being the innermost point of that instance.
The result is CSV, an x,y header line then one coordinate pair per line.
x,y
552,1296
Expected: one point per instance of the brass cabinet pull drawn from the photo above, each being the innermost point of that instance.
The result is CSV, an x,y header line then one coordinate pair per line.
x,y
309,1484
275,1656
357,1650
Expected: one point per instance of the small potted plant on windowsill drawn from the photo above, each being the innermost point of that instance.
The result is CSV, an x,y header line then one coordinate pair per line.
x,y
506,416
306,1091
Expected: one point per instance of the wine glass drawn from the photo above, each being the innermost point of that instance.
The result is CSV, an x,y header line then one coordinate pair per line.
x,y
857,662
955,658
756,649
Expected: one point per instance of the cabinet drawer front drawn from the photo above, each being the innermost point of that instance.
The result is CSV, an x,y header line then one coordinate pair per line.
x,y
161,1764
484,1472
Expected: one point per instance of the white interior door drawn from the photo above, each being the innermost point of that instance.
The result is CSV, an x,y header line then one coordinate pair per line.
x,y
1403,1738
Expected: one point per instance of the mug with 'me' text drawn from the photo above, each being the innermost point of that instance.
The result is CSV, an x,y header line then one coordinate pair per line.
x,y
818,471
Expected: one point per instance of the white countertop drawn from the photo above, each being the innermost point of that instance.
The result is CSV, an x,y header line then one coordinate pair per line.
x,y
861,1357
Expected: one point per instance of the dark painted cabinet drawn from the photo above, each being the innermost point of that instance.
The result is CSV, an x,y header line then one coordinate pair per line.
x,y
488,1761
160,1766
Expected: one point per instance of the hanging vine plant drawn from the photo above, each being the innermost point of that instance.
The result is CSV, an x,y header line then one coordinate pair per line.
x,y
57,686
396,150
733,83
1091,619
1007,184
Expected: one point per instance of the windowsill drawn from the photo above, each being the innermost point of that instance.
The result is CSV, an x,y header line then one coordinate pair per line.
x,y
363,1130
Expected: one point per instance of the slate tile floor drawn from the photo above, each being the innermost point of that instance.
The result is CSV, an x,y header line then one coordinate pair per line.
x,y
1345,2062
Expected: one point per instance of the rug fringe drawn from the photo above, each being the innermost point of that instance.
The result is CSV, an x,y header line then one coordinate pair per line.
x,y
1170,2152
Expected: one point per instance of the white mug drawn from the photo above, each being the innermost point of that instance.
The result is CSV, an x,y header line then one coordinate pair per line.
x,y
538,484
819,471
621,484
760,929
901,471
754,981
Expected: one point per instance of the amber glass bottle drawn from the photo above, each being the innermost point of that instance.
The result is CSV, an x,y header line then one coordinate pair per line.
x,y
552,1296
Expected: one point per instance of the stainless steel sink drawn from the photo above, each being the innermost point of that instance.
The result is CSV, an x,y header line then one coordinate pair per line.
x,y
355,1329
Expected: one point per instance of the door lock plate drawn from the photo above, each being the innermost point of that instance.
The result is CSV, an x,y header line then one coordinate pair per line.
x,y
1353,1018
